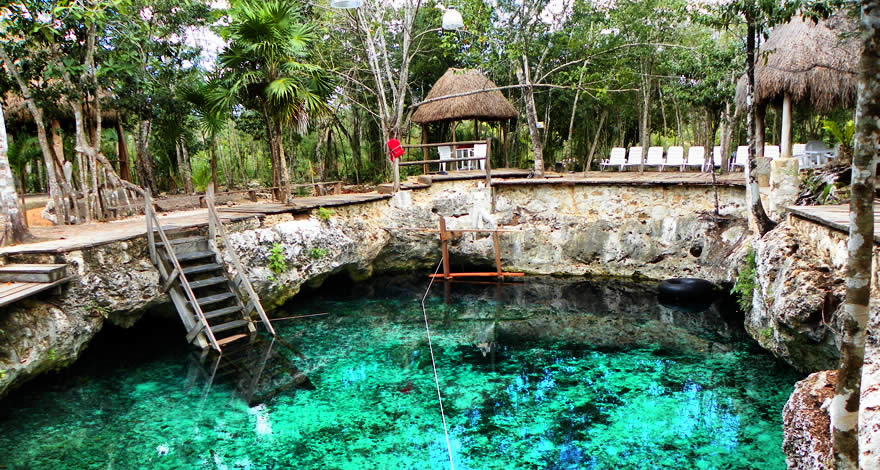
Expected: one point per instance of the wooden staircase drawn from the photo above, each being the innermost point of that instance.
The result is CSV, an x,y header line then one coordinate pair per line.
x,y
215,309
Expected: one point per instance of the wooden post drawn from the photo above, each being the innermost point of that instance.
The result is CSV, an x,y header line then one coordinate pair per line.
x,y
497,244
444,242
488,163
454,147
209,200
425,168
396,168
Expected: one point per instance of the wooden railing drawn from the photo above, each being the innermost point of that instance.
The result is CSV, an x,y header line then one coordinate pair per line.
x,y
215,225
426,162
177,271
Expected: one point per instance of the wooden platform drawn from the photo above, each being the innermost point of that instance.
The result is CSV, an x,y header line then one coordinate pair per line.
x,y
305,204
31,272
836,216
14,291
630,178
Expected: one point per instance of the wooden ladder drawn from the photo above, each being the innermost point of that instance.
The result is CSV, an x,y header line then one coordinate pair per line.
x,y
215,309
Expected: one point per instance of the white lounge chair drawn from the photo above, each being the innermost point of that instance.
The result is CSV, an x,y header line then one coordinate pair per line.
x,y
675,158
616,158
655,157
445,154
635,157
480,152
696,158
741,159
771,152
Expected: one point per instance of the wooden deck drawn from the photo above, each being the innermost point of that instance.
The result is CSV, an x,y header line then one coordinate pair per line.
x,y
14,291
629,178
304,204
836,216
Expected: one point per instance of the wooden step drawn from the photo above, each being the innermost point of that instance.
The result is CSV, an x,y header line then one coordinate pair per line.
x,y
229,339
195,255
203,268
31,272
222,311
181,241
211,281
213,299
228,326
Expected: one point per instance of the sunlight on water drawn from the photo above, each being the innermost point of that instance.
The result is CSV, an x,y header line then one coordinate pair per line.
x,y
550,375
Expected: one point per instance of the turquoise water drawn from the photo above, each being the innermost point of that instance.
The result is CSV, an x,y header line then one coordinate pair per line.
x,y
546,375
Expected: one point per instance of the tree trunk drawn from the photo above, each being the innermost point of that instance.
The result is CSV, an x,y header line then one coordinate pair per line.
x,y
760,129
595,139
144,159
645,121
11,218
212,150
532,118
763,223
566,153
122,150
844,409
726,133
785,140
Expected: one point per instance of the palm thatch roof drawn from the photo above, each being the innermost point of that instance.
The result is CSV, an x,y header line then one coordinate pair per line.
x,y
813,63
485,106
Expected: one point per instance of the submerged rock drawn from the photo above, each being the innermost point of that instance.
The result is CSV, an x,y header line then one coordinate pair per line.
x,y
807,426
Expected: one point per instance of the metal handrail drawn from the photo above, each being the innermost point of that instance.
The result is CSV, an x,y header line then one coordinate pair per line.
x,y
151,218
214,223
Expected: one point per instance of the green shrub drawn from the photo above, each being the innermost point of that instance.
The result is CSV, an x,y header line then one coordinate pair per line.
x,y
325,214
277,262
746,282
318,253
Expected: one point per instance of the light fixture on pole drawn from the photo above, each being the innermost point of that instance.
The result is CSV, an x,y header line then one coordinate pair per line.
x,y
452,20
346,3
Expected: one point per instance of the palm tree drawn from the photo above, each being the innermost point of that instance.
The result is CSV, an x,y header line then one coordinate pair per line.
x,y
263,68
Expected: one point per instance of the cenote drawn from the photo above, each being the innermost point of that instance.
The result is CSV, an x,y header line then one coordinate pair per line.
x,y
545,374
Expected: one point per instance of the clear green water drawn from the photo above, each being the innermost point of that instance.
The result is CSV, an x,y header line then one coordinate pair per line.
x,y
547,375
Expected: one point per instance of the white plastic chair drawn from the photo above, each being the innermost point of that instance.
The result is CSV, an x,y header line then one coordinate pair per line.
x,y
675,158
480,152
635,157
696,158
445,154
771,152
616,158
799,151
741,159
655,157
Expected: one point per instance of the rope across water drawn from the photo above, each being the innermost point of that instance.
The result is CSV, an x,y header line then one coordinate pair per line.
x,y
434,367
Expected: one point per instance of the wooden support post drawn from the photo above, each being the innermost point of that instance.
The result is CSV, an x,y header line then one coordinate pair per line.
x,y
425,168
209,199
497,244
337,188
444,242
252,195
489,163
396,167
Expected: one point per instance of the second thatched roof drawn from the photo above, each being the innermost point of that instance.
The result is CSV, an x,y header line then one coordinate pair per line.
x,y
815,63
485,106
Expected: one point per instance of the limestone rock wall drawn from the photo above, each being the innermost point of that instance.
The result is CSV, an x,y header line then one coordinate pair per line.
x,y
654,231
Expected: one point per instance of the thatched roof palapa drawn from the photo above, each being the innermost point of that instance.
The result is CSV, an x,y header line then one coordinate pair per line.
x,y
813,63
485,106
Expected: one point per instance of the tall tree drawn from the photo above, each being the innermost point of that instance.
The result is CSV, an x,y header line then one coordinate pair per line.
x,y
844,409
264,68
11,218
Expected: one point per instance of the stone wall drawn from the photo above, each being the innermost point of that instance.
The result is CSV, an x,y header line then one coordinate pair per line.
x,y
653,231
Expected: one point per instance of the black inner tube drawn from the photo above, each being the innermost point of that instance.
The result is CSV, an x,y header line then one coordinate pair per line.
x,y
686,289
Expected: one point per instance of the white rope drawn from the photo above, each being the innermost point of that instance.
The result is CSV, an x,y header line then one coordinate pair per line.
x,y
434,366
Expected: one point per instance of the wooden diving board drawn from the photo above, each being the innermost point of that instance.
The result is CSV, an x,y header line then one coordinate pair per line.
x,y
14,291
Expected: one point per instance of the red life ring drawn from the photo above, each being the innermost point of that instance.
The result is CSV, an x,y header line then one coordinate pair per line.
x,y
394,149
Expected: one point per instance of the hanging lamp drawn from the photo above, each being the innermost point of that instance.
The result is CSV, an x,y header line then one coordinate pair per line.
x,y
345,3
452,20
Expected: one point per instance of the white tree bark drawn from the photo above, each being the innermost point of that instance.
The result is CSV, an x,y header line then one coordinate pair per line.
x,y
11,218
